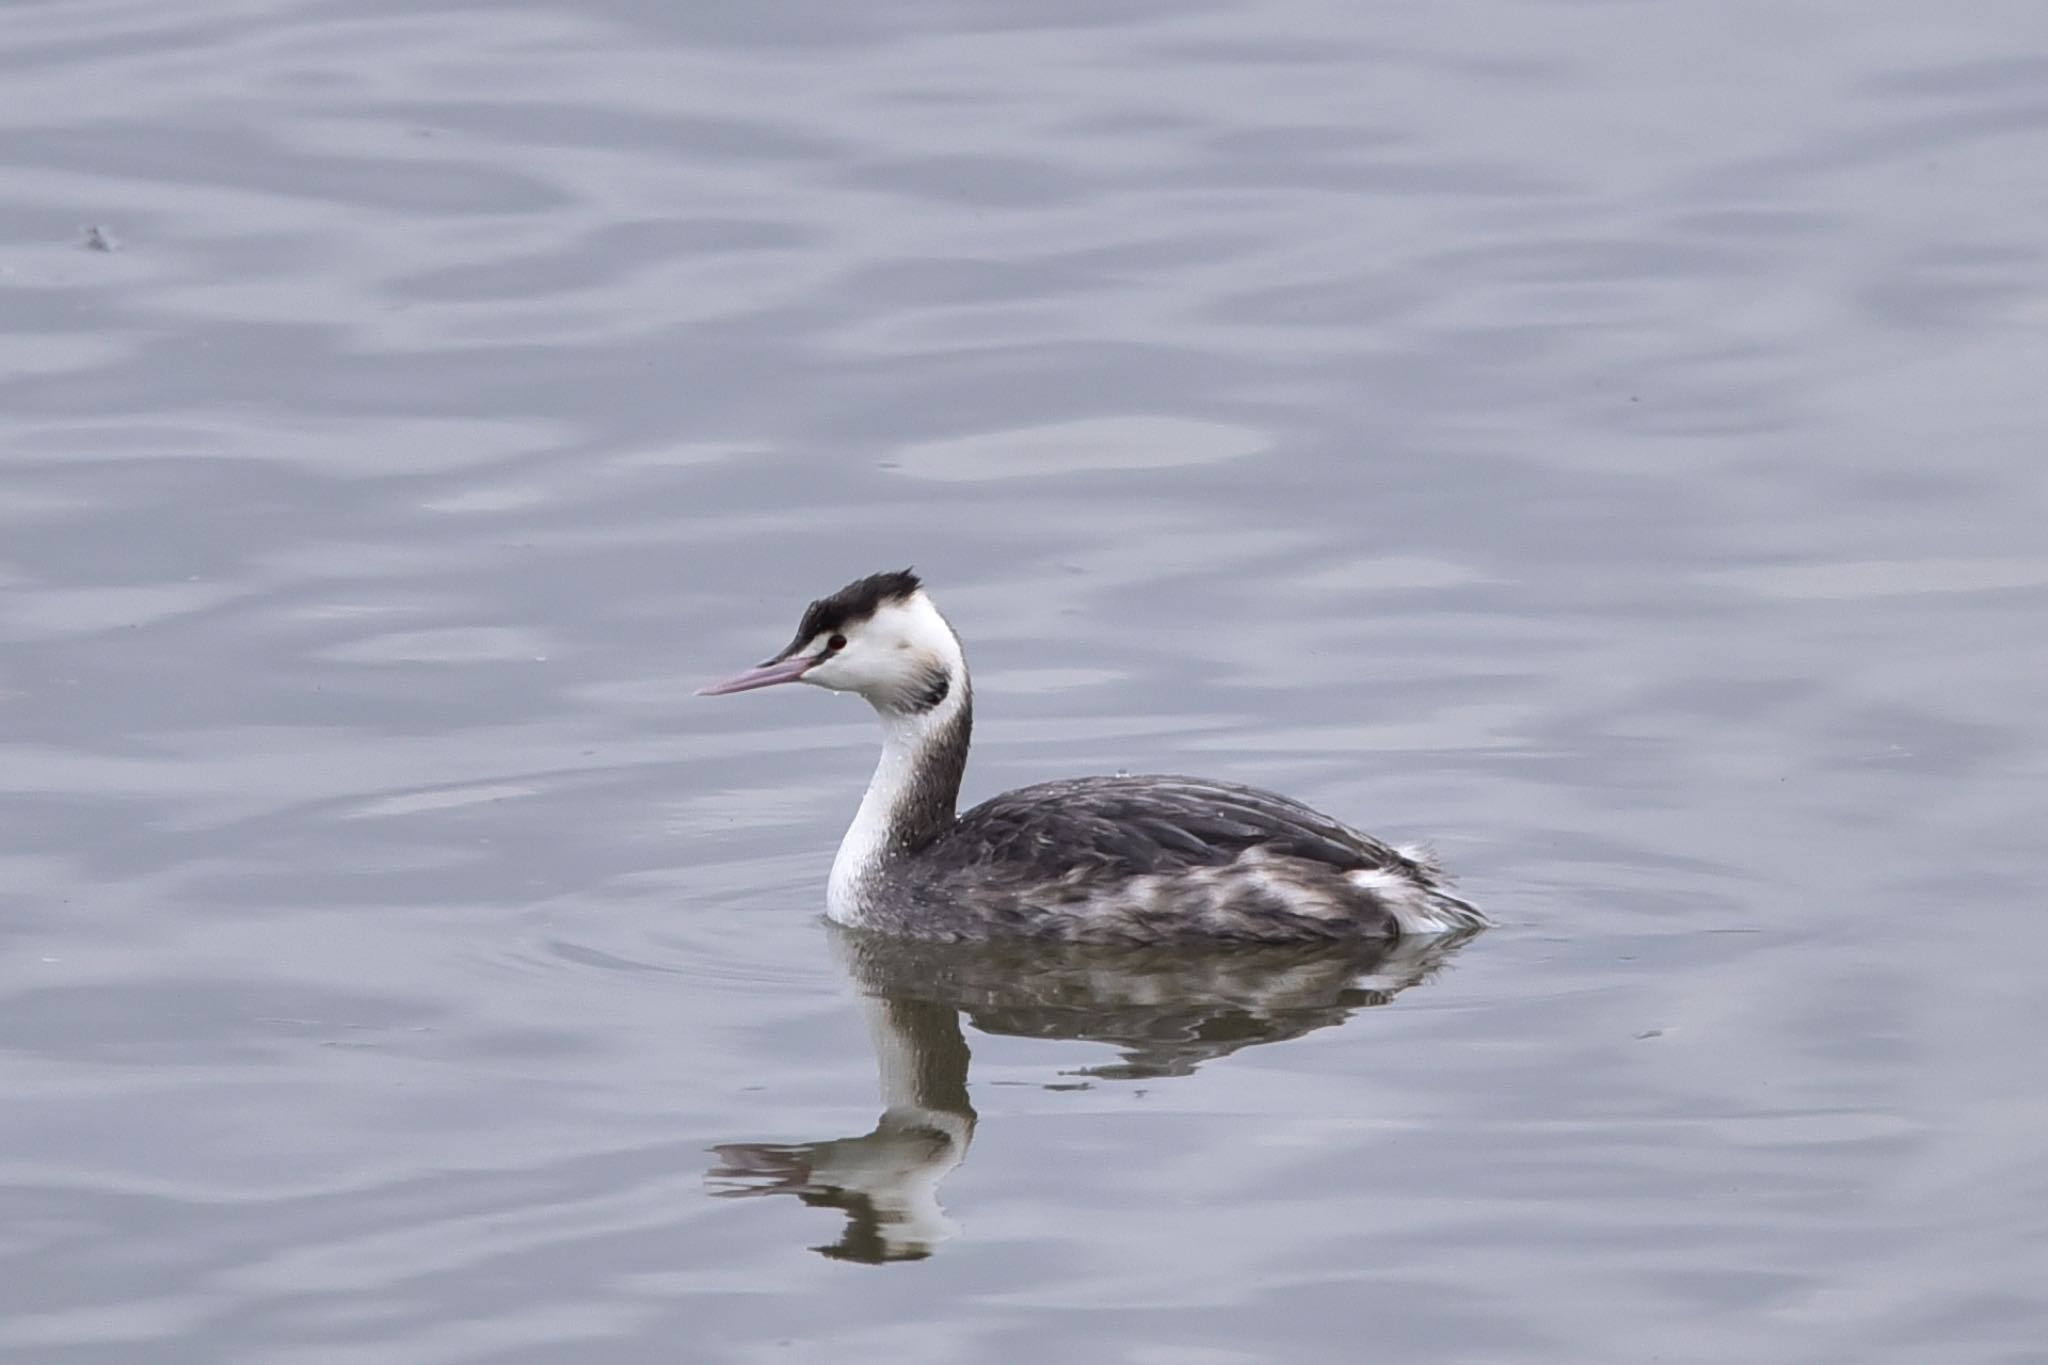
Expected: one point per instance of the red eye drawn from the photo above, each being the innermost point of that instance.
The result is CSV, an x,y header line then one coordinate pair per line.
x,y
836,642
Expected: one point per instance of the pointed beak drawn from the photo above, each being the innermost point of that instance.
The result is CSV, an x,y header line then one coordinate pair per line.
x,y
762,675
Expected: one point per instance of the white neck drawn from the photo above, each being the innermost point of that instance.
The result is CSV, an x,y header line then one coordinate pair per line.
x,y
913,746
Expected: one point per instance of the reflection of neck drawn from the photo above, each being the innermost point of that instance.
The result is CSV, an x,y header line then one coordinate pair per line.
x,y
912,797
888,1181
922,1057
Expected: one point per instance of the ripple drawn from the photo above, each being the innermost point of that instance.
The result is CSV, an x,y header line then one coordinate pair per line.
x,y
1094,445
1853,580
40,614
453,645
444,798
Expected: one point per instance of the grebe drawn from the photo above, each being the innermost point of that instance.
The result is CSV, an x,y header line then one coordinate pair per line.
x,y
1084,860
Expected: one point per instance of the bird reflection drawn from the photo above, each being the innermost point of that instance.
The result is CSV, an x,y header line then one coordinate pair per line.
x,y
1166,1009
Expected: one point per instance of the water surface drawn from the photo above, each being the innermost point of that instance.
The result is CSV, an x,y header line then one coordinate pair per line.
x,y
1600,439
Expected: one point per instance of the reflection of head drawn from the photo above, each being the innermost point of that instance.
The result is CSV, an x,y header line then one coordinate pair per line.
x,y
1168,1009
886,1181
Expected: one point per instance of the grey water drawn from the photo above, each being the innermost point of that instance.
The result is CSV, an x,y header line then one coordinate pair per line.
x,y
1603,440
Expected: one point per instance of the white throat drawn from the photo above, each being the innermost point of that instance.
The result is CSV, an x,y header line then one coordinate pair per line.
x,y
916,751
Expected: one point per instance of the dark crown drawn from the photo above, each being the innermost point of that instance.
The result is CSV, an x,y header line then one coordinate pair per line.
x,y
855,602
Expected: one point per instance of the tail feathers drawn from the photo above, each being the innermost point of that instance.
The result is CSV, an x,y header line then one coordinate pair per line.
x,y
1422,857
1418,901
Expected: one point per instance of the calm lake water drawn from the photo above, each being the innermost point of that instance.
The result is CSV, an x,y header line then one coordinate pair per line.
x,y
1603,439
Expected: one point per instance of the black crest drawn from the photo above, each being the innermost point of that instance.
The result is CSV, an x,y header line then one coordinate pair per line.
x,y
854,603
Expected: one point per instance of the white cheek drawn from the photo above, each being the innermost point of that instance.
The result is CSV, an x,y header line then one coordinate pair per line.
x,y
863,665
831,674
850,670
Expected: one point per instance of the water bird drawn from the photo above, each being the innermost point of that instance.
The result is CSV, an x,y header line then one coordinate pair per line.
x,y
1109,859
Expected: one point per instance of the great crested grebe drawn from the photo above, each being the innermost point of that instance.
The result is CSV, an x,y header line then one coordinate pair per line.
x,y
1084,860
